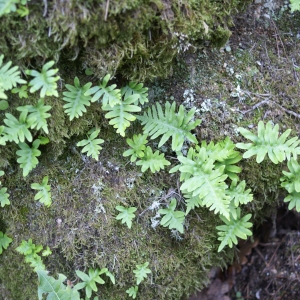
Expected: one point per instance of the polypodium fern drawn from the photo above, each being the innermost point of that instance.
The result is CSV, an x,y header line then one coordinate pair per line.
x,y
172,219
170,124
295,5
44,80
44,196
291,182
233,228
4,241
37,115
76,99
136,88
109,94
155,161
126,214
4,197
132,291
17,130
120,113
138,146
55,288
141,272
27,159
202,179
91,145
8,77
268,142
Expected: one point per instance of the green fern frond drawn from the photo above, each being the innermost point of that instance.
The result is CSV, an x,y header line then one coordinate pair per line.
x,y
141,272
170,124
192,202
126,214
237,193
294,201
109,94
28,156
120,113
77,101
3,136
91,145
291,180
203,180
136,88
295,5
269,142
7,6
17,130
22,91
44,80
4,197
37,115
172,219
44,195
155,161
236,227
4,241
9,78
138,146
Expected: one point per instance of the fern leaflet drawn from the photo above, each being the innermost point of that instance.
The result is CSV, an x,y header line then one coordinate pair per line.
x,y
4,241
170,124
44,196
126,214
44,80
136,88
4,197
141,272
76,99
137,144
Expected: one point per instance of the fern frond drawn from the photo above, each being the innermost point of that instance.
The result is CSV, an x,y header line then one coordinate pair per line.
x,y
269,142
4,241
4,197
237,193
126,214
9,77
17,130
138,146
170,124
294,201
44,195
91,145
44,80
154,161
37,115
232,229
203,180
28,156
172,219
291,180
109,94
136,88
192,202
120,113
77,101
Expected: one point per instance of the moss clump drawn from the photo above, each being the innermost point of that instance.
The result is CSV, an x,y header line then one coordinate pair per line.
x,y
138,38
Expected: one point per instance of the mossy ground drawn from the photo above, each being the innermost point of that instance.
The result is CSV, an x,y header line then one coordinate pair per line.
x,y
80,226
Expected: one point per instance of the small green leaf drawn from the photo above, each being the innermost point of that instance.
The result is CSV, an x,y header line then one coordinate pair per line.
x,y
44,195
141,272
132,292
4,241
4,105
126,215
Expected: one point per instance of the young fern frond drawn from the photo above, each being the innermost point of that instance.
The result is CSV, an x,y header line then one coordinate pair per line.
x,y
269,142
155,161
17,130
172,219
237,193
141,272
126,214
44,195
77,101
138,146
44,80
120,113
37,115
27,159
138,89
91,145
233,228
4,241
170,124
9,78
109,94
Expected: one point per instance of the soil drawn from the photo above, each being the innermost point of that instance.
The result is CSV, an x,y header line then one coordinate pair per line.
x,y
268,265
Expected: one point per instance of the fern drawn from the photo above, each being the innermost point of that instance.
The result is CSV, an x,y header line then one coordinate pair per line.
x,y
137,144
172,219
44,196
4,197
170,124
238,194
295,5
192,202
76,99
54,288
17,130
9,78
91,145
268,142
132,292
27,159
4,241
155,161
109,94
37,115
141,272
291,182
232,229
126,215
120,113
136,88
22,91
202,179
44,80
